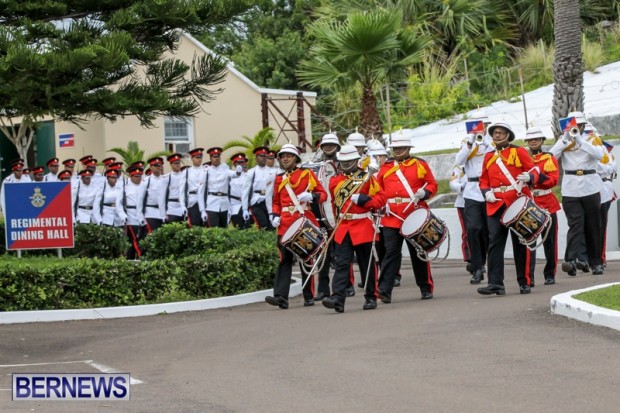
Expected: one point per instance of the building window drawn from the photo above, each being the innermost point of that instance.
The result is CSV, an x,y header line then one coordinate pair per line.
x,y
178,134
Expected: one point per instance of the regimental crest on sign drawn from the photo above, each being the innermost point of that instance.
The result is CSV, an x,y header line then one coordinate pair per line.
x,y
37,199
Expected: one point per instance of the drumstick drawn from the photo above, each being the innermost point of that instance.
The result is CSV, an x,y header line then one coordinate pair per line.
x,y
409,204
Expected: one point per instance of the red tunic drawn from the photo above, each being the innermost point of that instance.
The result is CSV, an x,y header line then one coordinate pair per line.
x,y
417,174
360,230
300,180
549,177
516,160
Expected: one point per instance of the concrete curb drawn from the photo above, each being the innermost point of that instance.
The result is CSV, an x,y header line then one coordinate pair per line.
x,y
564,304
14,317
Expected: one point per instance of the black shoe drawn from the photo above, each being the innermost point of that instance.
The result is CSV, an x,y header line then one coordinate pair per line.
x,y
333,304
384,297
532,283
583,266
477,277
396,282
370,304
470,268
277,301
350,291
320,296
598,269
309,302
549,281
525,289
427,295
492,289
360,284
570,268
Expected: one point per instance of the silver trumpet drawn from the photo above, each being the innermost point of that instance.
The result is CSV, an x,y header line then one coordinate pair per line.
x,y
479,137
574,131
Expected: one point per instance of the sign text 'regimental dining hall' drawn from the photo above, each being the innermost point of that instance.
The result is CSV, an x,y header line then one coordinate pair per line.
x,y
38,215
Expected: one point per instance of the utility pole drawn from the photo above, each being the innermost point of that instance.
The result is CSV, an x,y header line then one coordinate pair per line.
x,y
523,97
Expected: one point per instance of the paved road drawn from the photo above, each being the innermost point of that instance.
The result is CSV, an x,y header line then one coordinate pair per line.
x,y
459,352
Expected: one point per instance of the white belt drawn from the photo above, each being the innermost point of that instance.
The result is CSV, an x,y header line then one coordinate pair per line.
x,y
398,200
350,217
541,192
292,209
503,189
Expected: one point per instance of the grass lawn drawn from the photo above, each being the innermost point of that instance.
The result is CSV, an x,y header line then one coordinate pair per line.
x,y
603,297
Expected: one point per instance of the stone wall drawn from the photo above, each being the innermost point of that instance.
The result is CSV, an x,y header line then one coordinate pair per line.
x,y
607,125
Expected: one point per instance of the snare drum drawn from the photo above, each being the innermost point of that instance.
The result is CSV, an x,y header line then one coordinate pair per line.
x,y
425,229
303,238
526,218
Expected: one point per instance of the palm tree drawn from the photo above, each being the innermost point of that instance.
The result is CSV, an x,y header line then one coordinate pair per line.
x,y
568,65
264,137
365,50
133,153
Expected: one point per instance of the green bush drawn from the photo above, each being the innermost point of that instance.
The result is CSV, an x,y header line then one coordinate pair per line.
x,y
537,63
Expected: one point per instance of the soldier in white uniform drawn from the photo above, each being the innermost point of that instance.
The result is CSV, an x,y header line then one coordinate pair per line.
x,y
255,190
214,195
84,201
97,179
458,181
581,198
133,200
471,157
172,193
153,206
107,162
17,167
69,165
52,165
108,206
195,176
38,174
236,212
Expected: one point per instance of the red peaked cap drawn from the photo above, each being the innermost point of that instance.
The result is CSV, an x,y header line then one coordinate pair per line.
x,y
111,172
38,170
53,161
158,160
261,150
63,175
108,161
86,172
175,157
117,166
69,162
214,151
135,171
86,158
17,167
238,157
195,152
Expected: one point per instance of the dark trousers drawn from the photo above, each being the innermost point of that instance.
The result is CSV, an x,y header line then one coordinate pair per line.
x,y
282,281
583,240
153,223
193,216
217,219
464,243
343,256
134,235
261,216
477,232
498,234
604,219
324,272
174,218
238,221
550,245
390,265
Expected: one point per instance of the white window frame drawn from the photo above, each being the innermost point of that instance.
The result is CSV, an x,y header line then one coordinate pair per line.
x,y
171,144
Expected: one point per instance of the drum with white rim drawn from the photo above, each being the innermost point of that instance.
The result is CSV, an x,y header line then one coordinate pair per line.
x,y
425,229
303,239
526,219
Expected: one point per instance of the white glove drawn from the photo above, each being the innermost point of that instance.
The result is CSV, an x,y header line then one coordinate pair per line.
x,y
420,193
355,198
566,138
239,169
260,199
275,221
470,138
246,215
204,216
524,177
387,209
305,197
490,197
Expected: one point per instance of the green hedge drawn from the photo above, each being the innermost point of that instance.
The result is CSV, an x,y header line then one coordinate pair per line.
x,y
228,262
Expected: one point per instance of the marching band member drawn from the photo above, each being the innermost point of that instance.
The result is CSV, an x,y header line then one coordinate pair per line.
x,y
504,173
359,141
173,194
194,181
458,181
471,156
255,188
581,198
133,199
407,182
355,193
544,197
108,207
153,207
294,190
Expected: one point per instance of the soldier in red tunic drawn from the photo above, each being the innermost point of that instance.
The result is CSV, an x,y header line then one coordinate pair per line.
x,y
504,173
545,198
407,182
293,191
354,193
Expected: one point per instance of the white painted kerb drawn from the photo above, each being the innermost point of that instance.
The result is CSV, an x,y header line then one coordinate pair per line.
x,y
13,317
564,304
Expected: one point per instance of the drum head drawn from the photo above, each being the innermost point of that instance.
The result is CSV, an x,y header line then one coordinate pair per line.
x,y
293,229
415,221
513,211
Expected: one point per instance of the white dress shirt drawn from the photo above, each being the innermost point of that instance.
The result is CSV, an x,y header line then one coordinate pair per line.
x,y
108,206
581,156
